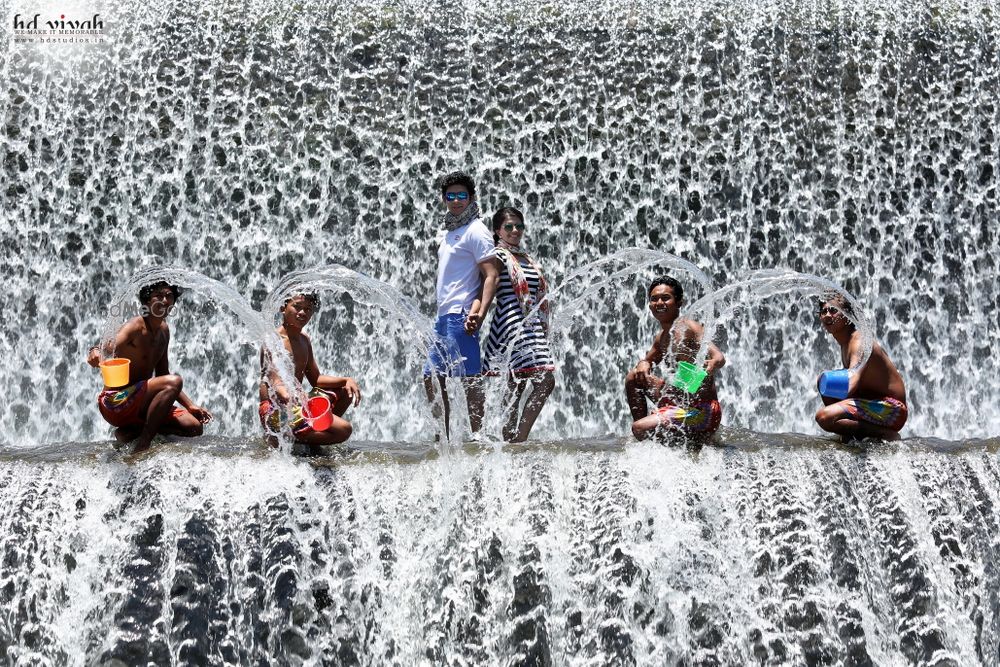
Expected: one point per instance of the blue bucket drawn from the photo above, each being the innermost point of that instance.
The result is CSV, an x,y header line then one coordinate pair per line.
x,y
834,384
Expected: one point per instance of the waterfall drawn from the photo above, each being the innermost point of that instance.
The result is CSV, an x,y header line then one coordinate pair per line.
x,y
845,140
850,140
643,555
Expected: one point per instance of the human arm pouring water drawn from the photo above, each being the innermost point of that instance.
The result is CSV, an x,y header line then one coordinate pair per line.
x,y
95,353
271,380
854,365
641,372
688,337
715,360
122,343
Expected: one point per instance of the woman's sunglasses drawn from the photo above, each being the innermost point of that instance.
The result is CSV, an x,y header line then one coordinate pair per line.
x,y
511,226
452,196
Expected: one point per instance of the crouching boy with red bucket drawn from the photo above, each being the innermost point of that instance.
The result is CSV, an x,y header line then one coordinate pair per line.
x,y
321,422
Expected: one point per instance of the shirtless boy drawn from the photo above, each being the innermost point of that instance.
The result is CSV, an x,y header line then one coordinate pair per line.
x,y
876,396
699,414
145,406
342,391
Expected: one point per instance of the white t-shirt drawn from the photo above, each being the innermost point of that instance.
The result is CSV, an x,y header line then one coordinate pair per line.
x,y
459,255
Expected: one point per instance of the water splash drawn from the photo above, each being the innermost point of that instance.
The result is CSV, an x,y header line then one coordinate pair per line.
x,y
388,338
713,309
772,549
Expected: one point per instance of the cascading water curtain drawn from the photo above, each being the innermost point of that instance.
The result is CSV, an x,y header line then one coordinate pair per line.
x,y
851,140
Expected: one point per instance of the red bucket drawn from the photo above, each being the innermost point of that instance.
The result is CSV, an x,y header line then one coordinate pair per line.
x,y
317,413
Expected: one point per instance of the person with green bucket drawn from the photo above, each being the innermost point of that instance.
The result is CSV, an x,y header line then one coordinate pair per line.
x,y
870,402
330,394
140,404
690,404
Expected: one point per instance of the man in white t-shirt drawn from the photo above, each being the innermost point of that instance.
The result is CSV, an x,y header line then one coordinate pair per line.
x,y
466,282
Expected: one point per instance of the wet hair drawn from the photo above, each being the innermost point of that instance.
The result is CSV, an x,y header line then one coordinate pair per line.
x,y
146,292
842,304
312,297
500,216
669,282
457,178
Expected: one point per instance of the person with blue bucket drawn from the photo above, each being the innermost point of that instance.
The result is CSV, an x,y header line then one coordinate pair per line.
x,y
858,402
689,405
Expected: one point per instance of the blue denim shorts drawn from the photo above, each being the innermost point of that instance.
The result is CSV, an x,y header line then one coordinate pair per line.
x,y
455,353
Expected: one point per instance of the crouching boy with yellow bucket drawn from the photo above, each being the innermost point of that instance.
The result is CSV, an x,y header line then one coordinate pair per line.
x,y
139,389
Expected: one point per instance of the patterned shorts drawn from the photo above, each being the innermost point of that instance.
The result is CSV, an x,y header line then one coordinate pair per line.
x,y
887,412
703,417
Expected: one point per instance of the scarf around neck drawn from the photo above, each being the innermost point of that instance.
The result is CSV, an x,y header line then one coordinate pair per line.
x,y
453,222
510,254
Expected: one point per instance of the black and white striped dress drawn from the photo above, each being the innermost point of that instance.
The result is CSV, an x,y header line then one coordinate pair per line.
x,y
531,352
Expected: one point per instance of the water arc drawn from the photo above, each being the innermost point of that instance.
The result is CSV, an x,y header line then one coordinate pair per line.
x,y
402,339
361,287
712,308
251,322
590,277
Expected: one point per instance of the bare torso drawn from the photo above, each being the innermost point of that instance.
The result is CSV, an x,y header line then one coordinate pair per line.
x,y
879,378
300,348
144,346
687,339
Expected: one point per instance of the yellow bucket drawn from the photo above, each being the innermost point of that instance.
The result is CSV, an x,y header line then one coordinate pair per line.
x,y
115,372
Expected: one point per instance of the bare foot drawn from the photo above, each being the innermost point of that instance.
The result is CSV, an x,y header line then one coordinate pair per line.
x,y
127,433
885,434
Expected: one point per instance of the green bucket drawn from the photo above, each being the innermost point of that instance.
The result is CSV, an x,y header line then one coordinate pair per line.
x,y
689,377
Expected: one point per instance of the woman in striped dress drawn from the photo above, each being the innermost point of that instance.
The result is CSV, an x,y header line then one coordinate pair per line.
x,y
518,345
